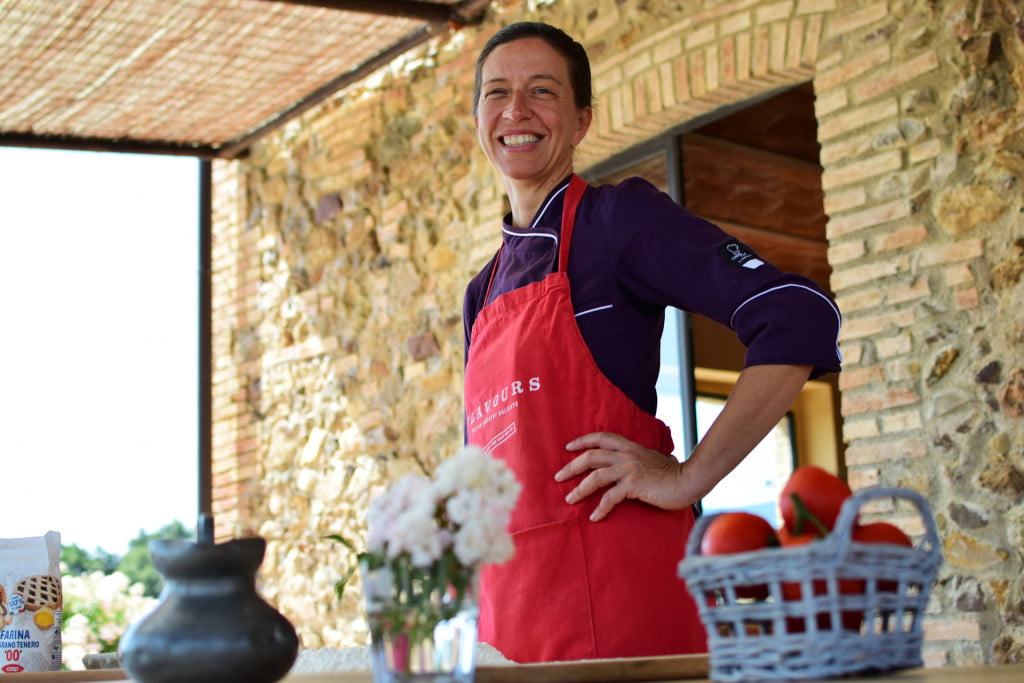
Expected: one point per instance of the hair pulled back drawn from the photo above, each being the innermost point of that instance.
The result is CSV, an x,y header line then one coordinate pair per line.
x,y
573,53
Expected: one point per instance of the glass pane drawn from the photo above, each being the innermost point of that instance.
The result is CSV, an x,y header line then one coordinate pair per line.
x,y
754,486
99,375
669,385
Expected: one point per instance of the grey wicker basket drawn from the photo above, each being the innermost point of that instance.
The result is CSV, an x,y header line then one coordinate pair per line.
x,y
824,632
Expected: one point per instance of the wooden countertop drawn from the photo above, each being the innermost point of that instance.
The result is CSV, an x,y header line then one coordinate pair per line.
x,y
661,669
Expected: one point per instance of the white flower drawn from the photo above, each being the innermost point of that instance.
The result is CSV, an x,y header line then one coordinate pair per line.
x,y
500,551
465,510
471,543
407,493
111,604
463,506
417,533
474,469
72,655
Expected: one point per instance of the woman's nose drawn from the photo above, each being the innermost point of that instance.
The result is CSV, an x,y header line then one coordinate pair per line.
x,y
518,108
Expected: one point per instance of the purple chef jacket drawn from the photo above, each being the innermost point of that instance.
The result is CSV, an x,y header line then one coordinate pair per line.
x,y
636,251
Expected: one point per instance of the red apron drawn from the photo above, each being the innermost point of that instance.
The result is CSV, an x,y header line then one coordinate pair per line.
x,y
575,589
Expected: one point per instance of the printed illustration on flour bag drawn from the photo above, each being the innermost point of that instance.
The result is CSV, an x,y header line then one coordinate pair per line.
x,y
31,604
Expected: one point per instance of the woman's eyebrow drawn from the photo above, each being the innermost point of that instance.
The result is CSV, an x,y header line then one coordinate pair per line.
x,y
545,77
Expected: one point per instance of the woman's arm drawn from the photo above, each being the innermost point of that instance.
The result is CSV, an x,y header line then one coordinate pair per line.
x,y
760,398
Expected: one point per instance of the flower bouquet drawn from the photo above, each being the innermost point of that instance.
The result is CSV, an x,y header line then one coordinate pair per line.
x,y
428,539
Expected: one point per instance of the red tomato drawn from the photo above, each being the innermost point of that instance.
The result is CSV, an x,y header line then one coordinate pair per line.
x,y
882,532
792,591
739,532
818,496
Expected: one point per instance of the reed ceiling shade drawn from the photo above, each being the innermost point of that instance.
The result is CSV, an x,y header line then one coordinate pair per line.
x,y
192,77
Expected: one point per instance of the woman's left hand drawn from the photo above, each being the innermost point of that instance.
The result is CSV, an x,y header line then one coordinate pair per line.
x,y
628,469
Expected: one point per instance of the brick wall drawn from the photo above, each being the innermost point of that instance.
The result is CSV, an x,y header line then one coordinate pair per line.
x,y
344,240
235,350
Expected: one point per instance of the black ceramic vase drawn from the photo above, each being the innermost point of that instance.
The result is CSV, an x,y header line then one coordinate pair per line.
x,y
210,624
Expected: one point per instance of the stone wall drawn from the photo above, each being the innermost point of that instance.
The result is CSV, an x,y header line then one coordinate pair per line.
x,y
921,138
344,240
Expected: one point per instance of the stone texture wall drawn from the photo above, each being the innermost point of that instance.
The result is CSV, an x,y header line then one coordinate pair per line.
x,y
920,126
343,243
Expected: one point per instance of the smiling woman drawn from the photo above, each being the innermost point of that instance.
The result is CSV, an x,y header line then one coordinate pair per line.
x,y
582,311
98,358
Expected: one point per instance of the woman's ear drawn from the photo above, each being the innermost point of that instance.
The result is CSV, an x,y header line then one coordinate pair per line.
x,y
479,141
583,121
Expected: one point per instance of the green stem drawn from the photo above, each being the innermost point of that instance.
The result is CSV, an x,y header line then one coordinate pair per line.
x,y
802,513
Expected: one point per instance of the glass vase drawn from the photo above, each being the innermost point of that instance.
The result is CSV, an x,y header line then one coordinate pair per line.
x,y
423,621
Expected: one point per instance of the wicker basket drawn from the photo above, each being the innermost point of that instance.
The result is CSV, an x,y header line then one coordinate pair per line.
x,y
824,632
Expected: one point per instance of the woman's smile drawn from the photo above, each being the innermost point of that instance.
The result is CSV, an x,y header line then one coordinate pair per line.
x,y
519,140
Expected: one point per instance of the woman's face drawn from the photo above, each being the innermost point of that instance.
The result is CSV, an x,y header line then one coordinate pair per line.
x,y
527,120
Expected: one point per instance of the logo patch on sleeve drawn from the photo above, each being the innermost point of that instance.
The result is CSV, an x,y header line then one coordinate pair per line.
x,y
740,255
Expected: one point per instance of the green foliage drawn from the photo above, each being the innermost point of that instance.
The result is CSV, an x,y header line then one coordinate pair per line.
x,y
79,561
105,593
136,564
97,614
342,583
98,608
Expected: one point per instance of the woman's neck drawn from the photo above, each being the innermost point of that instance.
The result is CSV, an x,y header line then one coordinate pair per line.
x,y
526,199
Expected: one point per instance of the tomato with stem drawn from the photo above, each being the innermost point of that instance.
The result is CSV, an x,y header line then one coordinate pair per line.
x,y
812,496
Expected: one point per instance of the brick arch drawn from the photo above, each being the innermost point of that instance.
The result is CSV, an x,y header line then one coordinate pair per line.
x,y
706,62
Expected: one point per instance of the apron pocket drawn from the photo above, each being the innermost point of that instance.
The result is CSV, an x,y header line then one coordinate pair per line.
x,y
536,607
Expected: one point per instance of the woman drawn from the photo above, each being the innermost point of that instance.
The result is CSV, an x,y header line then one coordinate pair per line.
x,y
563,329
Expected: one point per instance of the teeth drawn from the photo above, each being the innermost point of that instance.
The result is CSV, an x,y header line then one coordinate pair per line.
x,y
516,140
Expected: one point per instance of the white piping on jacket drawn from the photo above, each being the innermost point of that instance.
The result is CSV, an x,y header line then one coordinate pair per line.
x,y
594,310
540,214
839,317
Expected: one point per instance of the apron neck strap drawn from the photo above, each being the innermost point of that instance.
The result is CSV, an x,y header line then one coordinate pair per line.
x,y
573,195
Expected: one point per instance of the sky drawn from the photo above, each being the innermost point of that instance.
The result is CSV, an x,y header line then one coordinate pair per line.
x,y
98,344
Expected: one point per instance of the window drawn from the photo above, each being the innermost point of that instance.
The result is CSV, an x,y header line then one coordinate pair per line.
x,y
769,195
806,435
754,486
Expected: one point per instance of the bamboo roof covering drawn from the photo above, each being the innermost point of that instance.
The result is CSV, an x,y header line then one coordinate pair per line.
x,y
192,77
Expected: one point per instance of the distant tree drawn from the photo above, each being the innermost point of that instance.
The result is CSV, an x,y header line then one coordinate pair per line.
x,y
137,564
102,591
79,561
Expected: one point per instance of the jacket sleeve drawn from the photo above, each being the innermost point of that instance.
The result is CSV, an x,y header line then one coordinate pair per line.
x,y
669,256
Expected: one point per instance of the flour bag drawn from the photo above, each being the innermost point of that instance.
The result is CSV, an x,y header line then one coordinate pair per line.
x,y
31,604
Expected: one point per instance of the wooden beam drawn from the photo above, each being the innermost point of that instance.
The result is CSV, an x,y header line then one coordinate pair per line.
x,y
461,13
124,145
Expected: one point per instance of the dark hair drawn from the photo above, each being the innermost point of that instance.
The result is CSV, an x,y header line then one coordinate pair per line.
x,y
575,57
